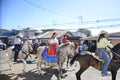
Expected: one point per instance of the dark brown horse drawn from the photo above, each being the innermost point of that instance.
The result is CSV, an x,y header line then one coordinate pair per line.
x,y
88,60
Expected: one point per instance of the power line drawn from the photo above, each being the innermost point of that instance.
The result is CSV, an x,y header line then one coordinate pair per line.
x,y
48,10
31,3
86,22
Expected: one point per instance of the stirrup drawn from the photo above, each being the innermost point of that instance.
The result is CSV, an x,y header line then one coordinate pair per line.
x,y
107,74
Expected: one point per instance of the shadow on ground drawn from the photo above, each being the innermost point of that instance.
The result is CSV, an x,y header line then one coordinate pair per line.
x,y
32,75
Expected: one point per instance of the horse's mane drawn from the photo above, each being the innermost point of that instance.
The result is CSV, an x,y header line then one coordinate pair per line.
x,y
116,51
116,48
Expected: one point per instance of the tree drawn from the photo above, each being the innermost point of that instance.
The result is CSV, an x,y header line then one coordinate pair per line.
x,y
85,31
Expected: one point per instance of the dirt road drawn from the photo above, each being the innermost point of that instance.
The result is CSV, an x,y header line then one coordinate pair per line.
x,y
49,74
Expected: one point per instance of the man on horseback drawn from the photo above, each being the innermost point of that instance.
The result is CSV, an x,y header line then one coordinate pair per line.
x,y
35,46
18,44
101,51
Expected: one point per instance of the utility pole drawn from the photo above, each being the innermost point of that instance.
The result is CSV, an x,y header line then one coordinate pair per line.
x,y
81,19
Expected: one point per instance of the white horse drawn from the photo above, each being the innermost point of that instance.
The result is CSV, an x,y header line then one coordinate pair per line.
x,y
64,50
6,56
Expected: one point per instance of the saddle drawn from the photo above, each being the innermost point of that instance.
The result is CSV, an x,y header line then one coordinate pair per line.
x,y
97,56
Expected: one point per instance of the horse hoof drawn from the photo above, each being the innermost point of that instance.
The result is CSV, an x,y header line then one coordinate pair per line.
x,y
23,70
10,68
62,76
58,78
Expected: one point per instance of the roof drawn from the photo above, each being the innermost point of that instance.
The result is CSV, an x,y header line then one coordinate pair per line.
x,y
115,35
6,34
91,38
59,33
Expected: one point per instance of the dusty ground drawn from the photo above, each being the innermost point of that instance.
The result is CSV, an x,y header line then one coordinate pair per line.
x,y
49,74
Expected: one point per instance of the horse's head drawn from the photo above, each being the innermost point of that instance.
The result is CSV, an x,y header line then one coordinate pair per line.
x,y
76,47
27,46
67,48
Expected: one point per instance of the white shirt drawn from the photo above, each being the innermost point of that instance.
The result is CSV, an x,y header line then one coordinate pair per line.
x,y
17,41
51,41
36,40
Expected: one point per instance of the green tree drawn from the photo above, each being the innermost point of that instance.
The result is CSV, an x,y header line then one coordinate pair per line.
x,y
85,31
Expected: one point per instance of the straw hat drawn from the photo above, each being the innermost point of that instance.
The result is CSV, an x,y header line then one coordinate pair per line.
x,y
103,32
20,34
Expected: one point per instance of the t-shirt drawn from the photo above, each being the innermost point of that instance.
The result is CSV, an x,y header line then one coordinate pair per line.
x,y
103,43
52,41
64,40
17,41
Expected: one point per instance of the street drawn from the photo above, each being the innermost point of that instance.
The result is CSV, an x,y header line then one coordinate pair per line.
x,y
31,72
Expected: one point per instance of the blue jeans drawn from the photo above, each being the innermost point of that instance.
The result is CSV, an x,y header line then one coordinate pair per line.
x,y
17,49
103,54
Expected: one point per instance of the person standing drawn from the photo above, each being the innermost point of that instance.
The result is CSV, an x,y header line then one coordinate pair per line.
x,y
80,48
102,42
18,44
50,55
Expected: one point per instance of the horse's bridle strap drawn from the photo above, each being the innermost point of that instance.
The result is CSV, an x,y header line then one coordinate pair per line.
x,y
116,60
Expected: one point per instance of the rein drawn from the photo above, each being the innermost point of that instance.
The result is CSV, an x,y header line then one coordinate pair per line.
x,y
115,53
118,60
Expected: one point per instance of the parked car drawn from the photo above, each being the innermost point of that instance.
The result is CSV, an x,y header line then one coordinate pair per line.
x,y
2,45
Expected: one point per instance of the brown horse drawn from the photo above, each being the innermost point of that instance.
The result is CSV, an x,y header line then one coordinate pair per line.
x,y
88,60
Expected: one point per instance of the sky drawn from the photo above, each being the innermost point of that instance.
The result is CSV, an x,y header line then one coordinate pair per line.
x,y
95,15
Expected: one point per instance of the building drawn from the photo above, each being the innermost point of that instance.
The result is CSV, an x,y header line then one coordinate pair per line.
x,y
91,41
43,38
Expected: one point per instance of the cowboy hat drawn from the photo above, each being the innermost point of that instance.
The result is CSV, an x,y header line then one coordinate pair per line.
x,y
103,32
20,34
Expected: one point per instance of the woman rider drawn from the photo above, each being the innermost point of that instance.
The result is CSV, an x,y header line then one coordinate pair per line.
x,y
101,50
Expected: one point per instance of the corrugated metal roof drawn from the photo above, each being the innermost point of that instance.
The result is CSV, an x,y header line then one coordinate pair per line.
x,y
8,34
116,34
59,33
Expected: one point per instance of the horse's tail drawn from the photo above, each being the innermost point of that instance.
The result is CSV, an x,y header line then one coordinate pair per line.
x,y
74,58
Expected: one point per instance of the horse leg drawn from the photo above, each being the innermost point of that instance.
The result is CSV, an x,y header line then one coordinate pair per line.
x,y
24,65
10,65
114,73
67,62
81,70
60,74
30,56
39,64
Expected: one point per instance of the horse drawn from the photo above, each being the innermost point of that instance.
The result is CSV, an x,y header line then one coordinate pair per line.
x,y
76,50
64,50
87,60
6,56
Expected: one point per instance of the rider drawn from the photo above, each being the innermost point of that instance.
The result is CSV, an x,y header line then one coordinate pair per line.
x,y
35,46
101,50
64,40
18,43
